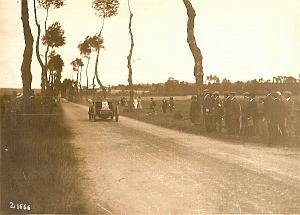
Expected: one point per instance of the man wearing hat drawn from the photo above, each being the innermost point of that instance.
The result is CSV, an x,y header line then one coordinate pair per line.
x,y
164,105
268,101
171,104
277,118
244,108
152,105
218,112
289,116
194,110
235,110
252,115
226,105
207,110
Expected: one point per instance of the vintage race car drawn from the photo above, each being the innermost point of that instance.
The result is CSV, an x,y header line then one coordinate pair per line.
x,y
104,110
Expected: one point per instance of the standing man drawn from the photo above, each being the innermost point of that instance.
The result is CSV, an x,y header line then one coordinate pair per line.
x,y
207,110
171,104
235,110
194,110
252,115
290,114
218,112
262,126
152,105
268,102
139,106
244,109
135,103
200,101
277,117
164,106
226,104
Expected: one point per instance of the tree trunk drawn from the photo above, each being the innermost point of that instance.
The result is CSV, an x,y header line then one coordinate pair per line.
x,y
77,74
198,68
27,55
37,49
87,79
97,77
94,87
52,78
86,74
45,23
80,77
80,91
49,77
96,66
44,71
131,92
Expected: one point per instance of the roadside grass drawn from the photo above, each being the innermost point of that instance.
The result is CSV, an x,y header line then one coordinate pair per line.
x,y
39,167
177,119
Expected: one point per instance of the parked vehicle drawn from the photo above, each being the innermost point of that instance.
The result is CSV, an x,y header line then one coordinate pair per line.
x,y
103,109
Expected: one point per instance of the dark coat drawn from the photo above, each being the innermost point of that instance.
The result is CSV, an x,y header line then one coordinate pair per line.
x,y
252,109
208,104
278,111
194,111
268,102
152,105
218,109
164,106
234,108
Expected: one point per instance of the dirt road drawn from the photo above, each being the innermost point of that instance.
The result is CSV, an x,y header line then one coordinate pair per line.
x,y
137,168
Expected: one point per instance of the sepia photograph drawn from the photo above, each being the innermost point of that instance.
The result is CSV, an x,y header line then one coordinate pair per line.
x,y
150,107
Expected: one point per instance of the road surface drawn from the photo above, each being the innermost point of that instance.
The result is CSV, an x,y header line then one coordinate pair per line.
x,y
135,168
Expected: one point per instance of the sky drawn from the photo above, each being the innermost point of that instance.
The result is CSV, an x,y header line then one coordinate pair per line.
x,y
239,39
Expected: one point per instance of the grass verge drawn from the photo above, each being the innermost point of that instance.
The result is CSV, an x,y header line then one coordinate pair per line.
x,y
39,167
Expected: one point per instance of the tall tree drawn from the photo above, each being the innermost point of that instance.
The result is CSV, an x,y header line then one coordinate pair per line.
x,y
77,64
131,92
96,43
80,64
198,68
51,66
53,38
27,55
55,65
45,4
85,51
75,67
105,9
